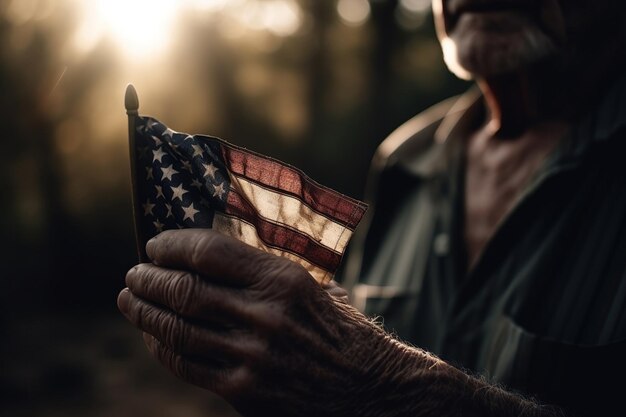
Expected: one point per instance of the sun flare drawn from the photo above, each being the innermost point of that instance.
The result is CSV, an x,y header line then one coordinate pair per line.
x,y
139,28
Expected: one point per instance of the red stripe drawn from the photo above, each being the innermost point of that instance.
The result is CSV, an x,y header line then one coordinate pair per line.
x,y
288,180
282,237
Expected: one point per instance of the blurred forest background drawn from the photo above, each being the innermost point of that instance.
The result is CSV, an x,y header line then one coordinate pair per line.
x,y
316,83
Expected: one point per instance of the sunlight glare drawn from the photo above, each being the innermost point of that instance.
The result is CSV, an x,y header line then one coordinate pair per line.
x,y
209,5
139,27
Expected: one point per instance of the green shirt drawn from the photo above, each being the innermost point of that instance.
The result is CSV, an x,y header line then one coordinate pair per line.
x,y
544,309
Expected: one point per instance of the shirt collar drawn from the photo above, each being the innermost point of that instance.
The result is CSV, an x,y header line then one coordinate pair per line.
x,y
447,142
599,125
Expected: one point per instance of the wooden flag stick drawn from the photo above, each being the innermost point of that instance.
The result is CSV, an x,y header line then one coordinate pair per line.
x,y
131,102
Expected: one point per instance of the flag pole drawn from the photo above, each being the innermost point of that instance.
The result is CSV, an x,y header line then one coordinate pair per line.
x,y
131,102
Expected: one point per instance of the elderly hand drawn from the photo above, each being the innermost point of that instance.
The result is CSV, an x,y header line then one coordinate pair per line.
x,y
256,328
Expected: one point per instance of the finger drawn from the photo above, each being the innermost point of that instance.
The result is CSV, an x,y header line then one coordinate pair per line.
x,y
187,294
214,255
187,338
225,381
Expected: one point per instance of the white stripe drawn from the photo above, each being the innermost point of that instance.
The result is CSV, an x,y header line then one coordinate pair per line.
x,y
289,211
237,228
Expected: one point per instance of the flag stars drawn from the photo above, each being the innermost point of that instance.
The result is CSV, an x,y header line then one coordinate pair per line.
x,y
168,172
168,133
158,155
187,166
151,124
219,191
174,147
158,225
156,140
169,211
190,212
178,192
147,208
209,170
196,183
159,190
149,173
197,150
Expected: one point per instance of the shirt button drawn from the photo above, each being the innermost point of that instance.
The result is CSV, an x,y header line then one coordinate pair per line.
x,y
441,245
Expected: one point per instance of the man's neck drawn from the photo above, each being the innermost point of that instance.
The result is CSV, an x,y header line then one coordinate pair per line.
x,y
519,102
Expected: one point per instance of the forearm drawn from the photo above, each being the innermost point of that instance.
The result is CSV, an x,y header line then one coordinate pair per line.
x,y
414,383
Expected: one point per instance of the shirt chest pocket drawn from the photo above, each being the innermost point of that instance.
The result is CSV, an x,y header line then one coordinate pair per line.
x,y
586,379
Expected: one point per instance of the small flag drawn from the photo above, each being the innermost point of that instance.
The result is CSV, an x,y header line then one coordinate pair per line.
x,y
185,181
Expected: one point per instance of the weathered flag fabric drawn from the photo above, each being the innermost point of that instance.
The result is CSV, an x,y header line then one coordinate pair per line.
x,y
196,181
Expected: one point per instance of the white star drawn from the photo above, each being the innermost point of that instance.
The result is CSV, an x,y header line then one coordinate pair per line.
x,y
197,150
159,191
149,174
156,140
210,170
168,132
196,183
168,172
158,225
190,212
174,147
151,124
169,211
187,166
178,192
219,191
147,208
158,155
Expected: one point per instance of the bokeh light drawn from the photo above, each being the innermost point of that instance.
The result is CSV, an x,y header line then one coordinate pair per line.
x,y
412,14
353,12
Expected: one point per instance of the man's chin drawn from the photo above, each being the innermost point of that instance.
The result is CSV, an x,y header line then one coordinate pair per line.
x,y
480,55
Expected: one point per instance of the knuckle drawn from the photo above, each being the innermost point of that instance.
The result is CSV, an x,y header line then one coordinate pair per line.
x,y
150,318
276,271
181,292
136,312
201,245
294,278
169,330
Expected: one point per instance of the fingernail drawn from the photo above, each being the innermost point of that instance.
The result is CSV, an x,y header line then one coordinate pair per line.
x,y
123,301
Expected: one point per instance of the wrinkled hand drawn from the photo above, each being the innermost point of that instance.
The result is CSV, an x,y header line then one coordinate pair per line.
x,y
255,328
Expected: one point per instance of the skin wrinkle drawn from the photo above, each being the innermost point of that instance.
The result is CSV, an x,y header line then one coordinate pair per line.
x,y
347,355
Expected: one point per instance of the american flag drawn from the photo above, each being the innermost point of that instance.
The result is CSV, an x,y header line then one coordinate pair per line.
x,y
197,181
